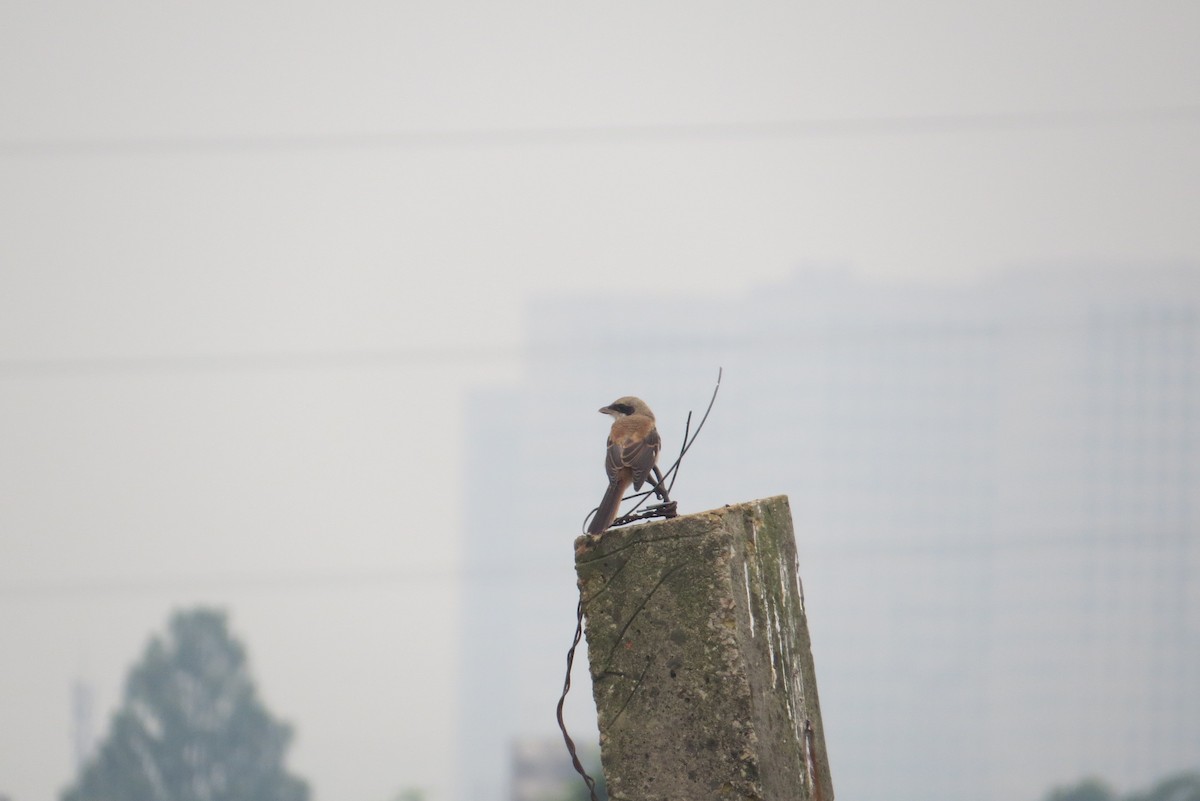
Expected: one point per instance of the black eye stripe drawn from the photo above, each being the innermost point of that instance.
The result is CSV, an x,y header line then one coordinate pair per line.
x,y
623,408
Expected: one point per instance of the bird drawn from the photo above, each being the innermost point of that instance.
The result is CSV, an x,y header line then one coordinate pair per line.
x,y
633,446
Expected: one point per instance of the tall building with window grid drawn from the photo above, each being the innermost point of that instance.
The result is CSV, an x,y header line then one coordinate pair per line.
x,y
995,494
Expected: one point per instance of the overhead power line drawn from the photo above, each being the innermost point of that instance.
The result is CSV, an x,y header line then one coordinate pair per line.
x,y
258,582
1081,541
433,356
473,355
527,137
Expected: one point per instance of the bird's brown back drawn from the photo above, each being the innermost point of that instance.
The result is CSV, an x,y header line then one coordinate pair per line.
x,y
633,445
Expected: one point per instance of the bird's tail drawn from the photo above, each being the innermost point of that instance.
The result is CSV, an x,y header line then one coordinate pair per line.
x,y
608,506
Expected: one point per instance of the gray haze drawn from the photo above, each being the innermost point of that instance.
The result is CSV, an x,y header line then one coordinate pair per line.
x,y
254,256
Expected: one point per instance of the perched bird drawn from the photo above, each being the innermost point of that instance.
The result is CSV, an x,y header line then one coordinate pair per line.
x,y
633,446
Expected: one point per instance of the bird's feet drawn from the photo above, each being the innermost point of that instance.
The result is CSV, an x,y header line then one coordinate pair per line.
x,y
665,510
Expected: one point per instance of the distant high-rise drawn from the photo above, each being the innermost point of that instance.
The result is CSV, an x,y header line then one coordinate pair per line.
x,y
83,738
539,771
995,490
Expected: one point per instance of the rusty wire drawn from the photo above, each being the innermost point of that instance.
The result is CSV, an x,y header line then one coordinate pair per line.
x,y
588,780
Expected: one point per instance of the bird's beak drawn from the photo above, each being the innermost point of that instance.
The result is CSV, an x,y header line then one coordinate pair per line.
x,y
605,410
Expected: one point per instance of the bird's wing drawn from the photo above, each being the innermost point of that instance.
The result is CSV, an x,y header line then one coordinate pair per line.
x,y
613,460
642,457
636,454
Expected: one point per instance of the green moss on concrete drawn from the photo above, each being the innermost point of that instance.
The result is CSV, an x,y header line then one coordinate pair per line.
x,y
700,661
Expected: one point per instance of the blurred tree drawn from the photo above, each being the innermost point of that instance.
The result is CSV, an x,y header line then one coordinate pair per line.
x,y
190,727
410,794
1181,787
1086,790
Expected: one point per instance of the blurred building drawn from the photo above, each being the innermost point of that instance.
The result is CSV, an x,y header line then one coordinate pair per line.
x,y
995,490
83,737
539,771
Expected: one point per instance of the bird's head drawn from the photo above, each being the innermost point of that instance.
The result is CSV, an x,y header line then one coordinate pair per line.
x,y
623,407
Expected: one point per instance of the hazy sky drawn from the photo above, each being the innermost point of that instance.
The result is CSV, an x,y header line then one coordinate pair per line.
x,y
252,255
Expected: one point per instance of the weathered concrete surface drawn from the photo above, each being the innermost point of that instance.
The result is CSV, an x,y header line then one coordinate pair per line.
x,y
700,658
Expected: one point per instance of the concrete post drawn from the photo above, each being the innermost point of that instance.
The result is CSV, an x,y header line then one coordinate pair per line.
x,y
700,658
